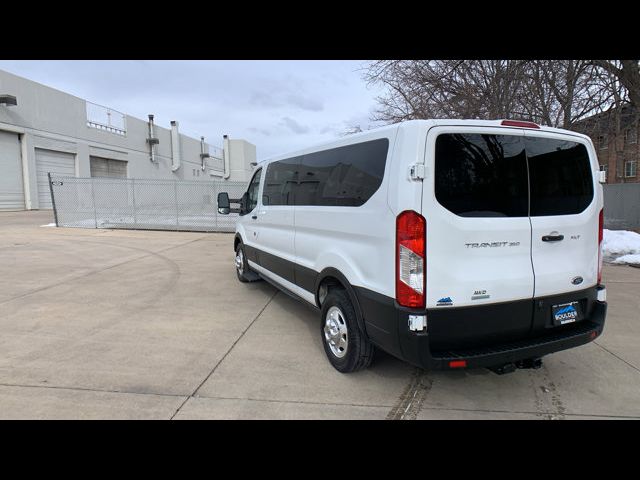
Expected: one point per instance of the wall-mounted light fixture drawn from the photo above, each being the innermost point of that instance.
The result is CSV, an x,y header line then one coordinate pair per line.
x,y
8,101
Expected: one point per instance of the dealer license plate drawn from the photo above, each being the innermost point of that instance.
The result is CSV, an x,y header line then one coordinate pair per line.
x,y
565,313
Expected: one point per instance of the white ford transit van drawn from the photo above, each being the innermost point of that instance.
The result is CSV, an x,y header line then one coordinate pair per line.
x,y
447,243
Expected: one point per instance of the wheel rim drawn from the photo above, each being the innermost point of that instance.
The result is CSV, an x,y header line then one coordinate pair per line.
x,y
240,261
335,332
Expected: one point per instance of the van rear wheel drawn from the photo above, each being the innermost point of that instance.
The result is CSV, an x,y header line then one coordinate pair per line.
x,y
347,347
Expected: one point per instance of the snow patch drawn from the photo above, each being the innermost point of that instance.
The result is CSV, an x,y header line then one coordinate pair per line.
x,y
628,259
621,246
49,225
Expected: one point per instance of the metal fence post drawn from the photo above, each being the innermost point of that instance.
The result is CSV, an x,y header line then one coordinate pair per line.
x,y
53,200
175,189
133,196
215,207
93,198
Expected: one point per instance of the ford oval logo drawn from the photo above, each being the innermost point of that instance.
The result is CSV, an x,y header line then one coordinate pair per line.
x,y
577,280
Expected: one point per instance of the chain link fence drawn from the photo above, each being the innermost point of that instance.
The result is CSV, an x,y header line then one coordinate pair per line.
x,y
192,206
142,204
622,206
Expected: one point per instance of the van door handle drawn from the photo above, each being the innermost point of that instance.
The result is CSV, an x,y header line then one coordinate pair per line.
x,y
254,217
552,238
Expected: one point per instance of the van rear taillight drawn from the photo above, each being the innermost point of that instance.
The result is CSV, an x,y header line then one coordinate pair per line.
x,y
410,259
458,364
600,237
519,123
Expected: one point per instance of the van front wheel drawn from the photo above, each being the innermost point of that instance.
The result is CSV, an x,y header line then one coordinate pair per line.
x,y
347,347
242,267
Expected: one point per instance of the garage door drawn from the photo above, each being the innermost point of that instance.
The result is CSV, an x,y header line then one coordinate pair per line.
x,y
11,189
58,163
108,167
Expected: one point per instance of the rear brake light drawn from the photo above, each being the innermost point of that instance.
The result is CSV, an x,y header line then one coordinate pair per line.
x,y
410,259
457,364
600,237
518,123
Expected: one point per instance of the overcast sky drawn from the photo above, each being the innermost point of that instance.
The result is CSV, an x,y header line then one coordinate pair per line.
x,y
277,105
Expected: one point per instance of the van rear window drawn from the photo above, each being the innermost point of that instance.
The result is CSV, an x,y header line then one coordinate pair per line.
x,y
511,176
481,175
560,176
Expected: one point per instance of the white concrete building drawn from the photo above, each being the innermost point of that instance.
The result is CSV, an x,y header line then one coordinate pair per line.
x,y
45,130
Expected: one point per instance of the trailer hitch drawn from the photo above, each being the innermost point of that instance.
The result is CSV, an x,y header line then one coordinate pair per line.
x,y
533,363
528,363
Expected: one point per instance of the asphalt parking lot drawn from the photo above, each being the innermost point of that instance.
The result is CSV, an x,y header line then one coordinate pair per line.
x,y
154,325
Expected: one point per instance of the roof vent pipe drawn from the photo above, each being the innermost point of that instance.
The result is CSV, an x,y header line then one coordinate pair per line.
x,y
203,154
152,141
175,146
226,151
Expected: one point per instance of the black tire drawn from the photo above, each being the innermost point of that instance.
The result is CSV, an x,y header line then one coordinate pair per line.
x,y
359,350
244,273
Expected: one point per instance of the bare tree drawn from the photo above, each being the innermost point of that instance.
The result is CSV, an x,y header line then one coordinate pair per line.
x,y
562,92
552,92
445,88
627,72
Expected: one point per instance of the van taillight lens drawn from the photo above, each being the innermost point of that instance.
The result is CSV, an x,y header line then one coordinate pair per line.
x,y
600,237
410,259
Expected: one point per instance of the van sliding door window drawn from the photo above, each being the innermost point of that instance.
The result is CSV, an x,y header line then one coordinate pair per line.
x,y
280,181
560,175
481,175
343,176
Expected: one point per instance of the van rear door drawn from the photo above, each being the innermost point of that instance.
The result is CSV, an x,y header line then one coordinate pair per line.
x,y
564,213
475,204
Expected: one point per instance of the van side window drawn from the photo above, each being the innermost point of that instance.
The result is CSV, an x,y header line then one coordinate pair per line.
x,y
481,175
254,186
560,176
343,176
280,181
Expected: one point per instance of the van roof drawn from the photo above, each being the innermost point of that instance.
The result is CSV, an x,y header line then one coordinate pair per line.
x,y
412,124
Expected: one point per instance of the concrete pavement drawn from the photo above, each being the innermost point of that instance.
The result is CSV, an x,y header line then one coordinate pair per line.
x,y
133,324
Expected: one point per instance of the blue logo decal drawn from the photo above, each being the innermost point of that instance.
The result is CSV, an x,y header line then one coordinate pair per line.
x,y
568,309
445,301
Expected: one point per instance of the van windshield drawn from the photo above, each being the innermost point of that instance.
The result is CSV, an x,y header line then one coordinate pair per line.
x,y
511,176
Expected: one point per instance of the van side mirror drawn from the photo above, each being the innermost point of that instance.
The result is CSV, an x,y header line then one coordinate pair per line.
x,y
223,203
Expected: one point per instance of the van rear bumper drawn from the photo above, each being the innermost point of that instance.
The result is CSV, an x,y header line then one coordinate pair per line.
x,y
436,348
581,333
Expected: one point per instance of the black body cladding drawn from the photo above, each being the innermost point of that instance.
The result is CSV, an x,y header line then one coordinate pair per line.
x,y
509,331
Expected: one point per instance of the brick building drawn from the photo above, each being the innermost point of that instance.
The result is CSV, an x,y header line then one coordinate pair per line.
x,y
615,136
